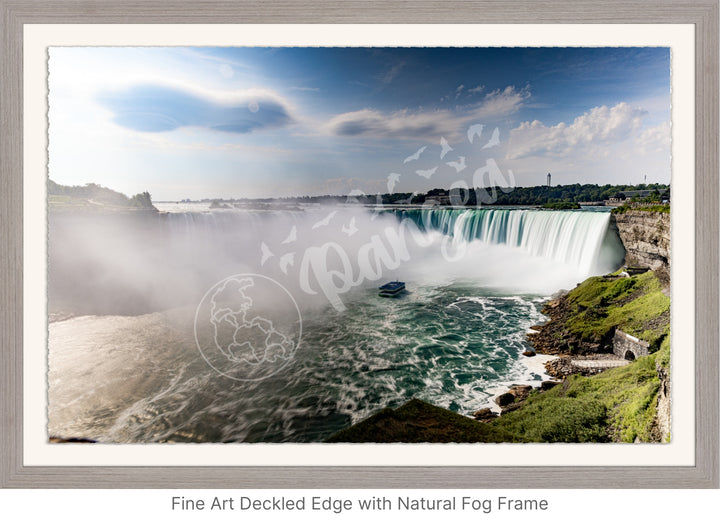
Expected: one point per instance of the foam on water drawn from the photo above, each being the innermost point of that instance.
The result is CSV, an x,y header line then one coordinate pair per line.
x,y
455,339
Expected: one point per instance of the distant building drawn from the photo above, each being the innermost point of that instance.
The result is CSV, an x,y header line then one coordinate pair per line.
x,y
549,180
440,198
626,197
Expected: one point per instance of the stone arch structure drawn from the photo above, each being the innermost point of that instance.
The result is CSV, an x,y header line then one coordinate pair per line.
x,y
629,347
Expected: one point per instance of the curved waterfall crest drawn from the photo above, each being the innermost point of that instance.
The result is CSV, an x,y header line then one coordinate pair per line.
x,y
573,237
579,240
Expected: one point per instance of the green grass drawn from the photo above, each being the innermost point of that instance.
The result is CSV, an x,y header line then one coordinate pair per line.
x,y
662,208
616,405
555,418
95,198
67,202
420,422
632,304
663,356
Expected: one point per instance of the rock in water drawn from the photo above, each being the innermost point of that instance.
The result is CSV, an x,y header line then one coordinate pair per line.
x,y
505,399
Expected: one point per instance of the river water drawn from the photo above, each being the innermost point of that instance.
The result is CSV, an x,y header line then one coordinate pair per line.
x,y
266,326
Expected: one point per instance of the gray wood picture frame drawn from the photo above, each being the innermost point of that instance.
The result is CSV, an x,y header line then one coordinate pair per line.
x,y
702,13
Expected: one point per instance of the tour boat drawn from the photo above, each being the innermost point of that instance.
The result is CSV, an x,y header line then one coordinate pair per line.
x,y
391,289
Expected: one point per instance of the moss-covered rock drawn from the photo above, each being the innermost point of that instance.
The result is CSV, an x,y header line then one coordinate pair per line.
x,y
420,422
584,320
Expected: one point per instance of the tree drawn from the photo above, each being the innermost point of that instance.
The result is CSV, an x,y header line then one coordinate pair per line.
x,y
142,200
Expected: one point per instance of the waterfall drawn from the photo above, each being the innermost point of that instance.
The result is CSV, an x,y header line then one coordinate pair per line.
x,y
581,239
572,237
143,263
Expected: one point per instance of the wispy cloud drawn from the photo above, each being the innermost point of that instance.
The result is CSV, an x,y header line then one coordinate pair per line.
x,y
502,102
388,76
426,125
378,124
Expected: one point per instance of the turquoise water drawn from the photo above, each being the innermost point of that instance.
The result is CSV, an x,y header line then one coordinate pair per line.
x,y
454,339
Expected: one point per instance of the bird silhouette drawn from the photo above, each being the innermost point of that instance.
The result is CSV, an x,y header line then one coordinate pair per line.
x,y
292,236
350,229
475,129
325,221
415,156
287,260
427,173
494,140
393,178
265,253
459,164
445,147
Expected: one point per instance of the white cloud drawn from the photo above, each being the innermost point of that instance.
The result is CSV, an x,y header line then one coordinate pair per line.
x,y
502,102
654,139
601,126
426,125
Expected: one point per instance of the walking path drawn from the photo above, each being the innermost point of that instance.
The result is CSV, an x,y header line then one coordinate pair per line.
x,y
600,363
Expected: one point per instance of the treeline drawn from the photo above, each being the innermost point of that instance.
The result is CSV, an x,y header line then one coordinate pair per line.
x,y
101,195
544,195
521,196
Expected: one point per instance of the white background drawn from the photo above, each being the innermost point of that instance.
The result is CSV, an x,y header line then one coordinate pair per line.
x,y
588,507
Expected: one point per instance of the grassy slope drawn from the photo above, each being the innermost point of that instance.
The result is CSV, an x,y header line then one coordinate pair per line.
x,y
93,197
420,422
616,405
635,305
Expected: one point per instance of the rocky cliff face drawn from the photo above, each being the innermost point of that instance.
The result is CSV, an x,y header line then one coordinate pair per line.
x,y
646,237
663,418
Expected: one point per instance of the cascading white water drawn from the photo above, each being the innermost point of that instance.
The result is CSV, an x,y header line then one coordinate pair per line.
x,y
569,237
145,263
455,340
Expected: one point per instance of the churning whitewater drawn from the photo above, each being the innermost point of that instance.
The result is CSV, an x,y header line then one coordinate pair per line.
x,y
131,361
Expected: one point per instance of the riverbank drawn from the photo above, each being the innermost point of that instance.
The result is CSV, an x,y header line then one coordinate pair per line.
x,y
586,403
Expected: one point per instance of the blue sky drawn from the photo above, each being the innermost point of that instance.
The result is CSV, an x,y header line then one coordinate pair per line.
x,y
255,122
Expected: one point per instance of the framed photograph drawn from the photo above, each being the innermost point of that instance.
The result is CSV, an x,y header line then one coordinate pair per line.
x,y
421,246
